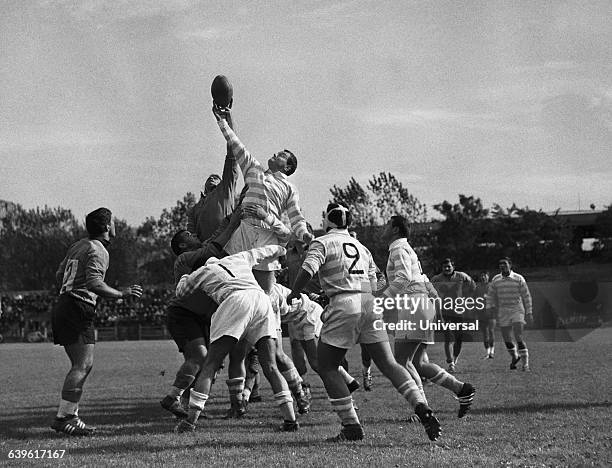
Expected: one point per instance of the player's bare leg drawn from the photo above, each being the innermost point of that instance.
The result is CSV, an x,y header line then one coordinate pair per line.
x,y
366,368
510,346
194,353
81,361
266,349
523,352
236,373
217,352
448,350
293,378
251,382
405,385
329,359
464,391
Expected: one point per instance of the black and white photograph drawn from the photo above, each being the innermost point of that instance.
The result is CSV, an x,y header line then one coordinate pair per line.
x,y
315,233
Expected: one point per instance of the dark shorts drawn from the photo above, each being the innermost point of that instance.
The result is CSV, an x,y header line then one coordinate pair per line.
x,y
72,321
185,326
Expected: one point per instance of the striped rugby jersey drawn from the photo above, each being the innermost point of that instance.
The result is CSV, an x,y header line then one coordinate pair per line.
x,y
84,266
271,190
221,277
404,272
509,294
344,264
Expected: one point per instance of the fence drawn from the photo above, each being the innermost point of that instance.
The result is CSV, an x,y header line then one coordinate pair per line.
x,y
132,332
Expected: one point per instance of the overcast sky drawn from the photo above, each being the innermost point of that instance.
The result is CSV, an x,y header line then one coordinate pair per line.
x,y
107,102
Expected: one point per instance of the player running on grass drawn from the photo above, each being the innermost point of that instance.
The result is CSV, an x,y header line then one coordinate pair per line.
x,y
245,312
406,278
81,275
509,295
347,274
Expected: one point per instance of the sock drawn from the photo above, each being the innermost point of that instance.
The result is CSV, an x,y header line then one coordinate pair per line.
x,y
285,404
246,394
523,353
197,401
366,370
235,387
345,410
420,387
176,392
511,349
446,380
294,381
411,393
348,378
67,408
183,380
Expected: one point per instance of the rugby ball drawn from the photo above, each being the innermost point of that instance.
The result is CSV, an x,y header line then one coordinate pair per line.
x,y
222,91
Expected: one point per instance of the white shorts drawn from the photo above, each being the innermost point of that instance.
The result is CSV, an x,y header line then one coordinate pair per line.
x,y
349,319
507,318
245,315
424,313
247,237
310,327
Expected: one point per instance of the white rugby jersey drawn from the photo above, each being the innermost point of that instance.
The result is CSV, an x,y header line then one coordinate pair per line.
x,y
221,277
344,264
404,272
509,294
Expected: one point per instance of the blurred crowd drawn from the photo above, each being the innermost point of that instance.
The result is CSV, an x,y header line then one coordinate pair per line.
x,y
27,316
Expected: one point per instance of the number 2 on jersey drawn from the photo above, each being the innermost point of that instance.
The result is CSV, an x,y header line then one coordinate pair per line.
x,y
354,254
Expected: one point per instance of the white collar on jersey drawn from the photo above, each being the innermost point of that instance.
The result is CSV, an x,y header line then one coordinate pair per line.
x,y
339,231
398,242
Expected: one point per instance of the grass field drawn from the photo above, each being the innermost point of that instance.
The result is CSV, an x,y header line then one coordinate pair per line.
x,y
560,414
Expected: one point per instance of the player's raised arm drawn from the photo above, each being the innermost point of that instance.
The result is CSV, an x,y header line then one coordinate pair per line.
x,y
298,223
242,155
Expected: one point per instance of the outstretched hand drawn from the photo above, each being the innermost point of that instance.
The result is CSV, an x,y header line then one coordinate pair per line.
x,y
134,290
221,113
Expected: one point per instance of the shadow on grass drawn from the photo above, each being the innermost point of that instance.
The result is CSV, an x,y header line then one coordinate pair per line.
x,y
126,417
196,441
141,418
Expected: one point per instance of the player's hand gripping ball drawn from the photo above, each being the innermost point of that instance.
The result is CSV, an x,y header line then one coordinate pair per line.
x,y
222,92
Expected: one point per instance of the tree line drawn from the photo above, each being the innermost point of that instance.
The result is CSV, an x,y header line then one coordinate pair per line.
x,y
34,241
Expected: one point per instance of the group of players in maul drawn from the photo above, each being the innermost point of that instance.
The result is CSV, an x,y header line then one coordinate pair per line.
x,y
228,302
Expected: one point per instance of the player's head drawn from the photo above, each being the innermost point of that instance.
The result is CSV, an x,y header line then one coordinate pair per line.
x,y
211,183
483,277
99,222
337,217
283,161
448,267
505,265
396,228
184,241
